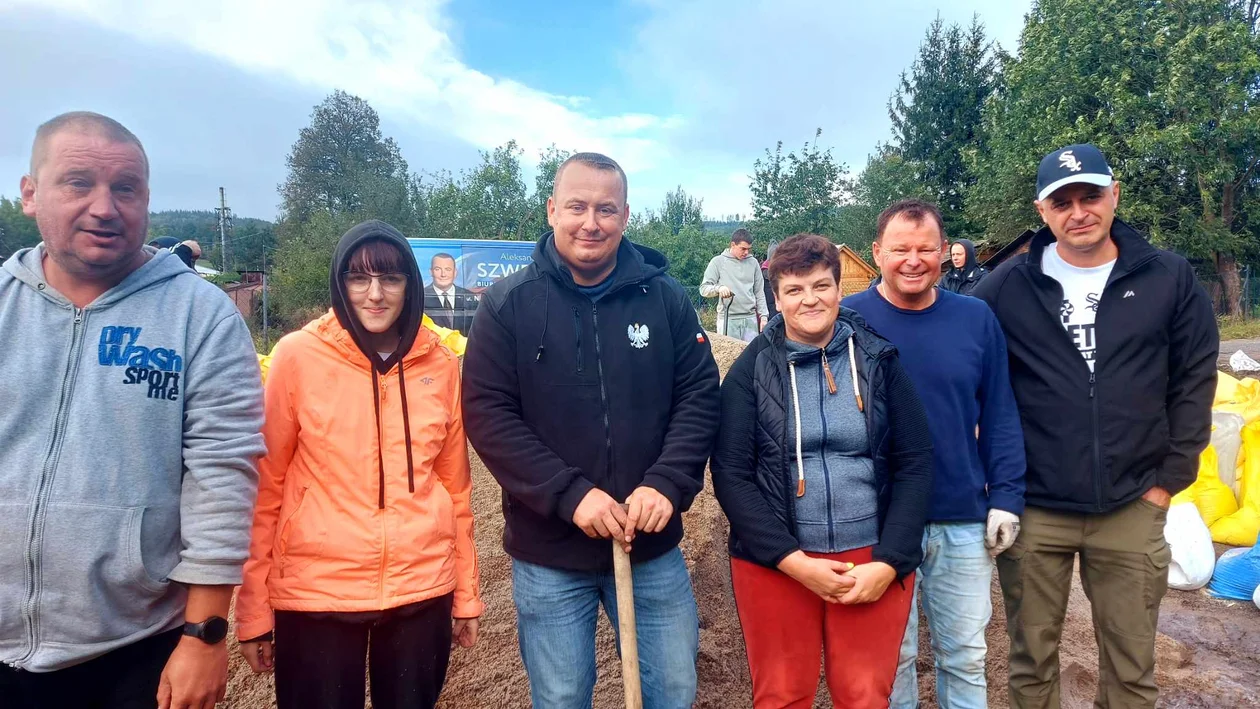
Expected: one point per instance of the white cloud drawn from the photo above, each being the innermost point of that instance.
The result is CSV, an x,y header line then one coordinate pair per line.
x,y
726,79
396,55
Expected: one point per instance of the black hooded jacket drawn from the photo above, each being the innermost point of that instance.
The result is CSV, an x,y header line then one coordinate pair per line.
x,y
963,280
562,395
1097,440
408,322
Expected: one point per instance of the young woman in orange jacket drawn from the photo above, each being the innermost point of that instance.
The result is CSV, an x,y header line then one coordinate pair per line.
x,y
363,533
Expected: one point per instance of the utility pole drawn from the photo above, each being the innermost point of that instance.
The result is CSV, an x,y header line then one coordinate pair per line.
x,y
225,223
266,332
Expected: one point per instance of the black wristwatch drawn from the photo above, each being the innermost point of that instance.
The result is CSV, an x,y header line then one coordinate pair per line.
x,y
210,631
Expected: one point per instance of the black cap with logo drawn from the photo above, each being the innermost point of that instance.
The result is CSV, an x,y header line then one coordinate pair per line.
x,y
1075,163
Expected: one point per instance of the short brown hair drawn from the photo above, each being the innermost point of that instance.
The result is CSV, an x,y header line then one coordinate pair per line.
x,y
800,254
597,161
84,122
915,210
741,236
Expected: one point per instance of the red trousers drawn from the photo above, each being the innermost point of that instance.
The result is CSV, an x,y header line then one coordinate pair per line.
x,y
789,631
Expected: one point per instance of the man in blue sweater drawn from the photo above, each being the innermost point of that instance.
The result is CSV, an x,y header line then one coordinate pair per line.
x,y
954,351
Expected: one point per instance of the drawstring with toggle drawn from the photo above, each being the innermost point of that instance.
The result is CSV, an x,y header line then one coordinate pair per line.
x,y
831,387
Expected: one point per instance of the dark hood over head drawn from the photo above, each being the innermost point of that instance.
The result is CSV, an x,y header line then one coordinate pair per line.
x,y
970,249
413,300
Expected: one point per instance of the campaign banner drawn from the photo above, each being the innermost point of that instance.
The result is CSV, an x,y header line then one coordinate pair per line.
x,y
456,271
478,263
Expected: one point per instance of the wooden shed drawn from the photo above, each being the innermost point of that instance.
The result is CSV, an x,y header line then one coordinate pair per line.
x,y
1017,246
855,272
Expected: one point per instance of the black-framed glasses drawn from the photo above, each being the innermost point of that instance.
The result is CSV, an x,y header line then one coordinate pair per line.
x,y
357,282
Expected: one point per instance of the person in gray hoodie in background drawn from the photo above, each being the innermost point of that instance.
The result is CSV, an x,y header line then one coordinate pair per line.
x,y
734,278
131,429
967,272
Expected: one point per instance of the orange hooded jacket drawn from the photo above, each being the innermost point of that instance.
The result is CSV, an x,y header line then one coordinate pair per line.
x,y
364,496
326,536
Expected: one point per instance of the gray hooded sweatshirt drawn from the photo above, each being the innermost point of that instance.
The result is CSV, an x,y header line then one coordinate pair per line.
x,y
130,432
839,510
743,277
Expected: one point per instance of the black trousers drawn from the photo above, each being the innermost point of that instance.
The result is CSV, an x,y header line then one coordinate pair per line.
x,y
126,678
320,657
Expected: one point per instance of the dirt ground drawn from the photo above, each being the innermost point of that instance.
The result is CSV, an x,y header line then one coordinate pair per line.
x,y
1208,650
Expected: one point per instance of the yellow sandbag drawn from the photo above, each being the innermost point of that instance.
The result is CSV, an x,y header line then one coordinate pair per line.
x,y
1210,496
1238,396
1242,527
264,364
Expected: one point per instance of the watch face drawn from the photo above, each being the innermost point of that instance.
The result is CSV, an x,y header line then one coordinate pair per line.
x,y
214,630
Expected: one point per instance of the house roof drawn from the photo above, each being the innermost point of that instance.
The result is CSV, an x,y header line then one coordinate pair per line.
x,y
848,255
1017,245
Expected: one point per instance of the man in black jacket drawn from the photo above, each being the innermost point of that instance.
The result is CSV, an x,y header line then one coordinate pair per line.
x,y
588,382
1113,347
966,272
447,304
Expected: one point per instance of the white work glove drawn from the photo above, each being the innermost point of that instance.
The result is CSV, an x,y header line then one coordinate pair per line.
x,y
724,292
1000,532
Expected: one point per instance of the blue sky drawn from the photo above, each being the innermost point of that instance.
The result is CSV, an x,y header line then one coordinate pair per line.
x,y
686,92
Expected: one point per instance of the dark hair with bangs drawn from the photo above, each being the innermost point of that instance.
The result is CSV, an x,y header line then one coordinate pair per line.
x,y
377,256
800,254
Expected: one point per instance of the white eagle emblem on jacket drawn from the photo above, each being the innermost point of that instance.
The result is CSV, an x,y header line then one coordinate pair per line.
x,y
638,335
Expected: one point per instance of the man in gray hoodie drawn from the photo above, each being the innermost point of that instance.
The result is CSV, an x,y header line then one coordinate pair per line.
x,y
130,428
734,278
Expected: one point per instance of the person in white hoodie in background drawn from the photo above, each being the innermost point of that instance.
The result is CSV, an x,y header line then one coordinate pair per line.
x,y
734,278
131,429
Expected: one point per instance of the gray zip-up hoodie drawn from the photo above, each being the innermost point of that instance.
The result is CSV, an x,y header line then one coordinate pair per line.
x,y
743,277
129,435
840,505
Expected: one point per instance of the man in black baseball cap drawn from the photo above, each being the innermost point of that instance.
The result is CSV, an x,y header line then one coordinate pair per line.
x,y
1113,348
1075,164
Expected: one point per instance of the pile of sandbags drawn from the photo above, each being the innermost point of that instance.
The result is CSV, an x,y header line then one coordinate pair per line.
x,y
1227,490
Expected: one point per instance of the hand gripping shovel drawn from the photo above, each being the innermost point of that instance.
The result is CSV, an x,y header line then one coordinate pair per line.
x,y
625,622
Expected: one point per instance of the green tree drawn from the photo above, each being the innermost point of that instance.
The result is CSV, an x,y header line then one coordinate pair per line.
x,y
549,162
1168,91
17,231
936,115
486,202
677,230
299,278
681,209
795,193
342,164
888,177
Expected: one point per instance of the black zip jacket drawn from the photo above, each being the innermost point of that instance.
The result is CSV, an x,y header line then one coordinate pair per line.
x,y
562,395
1096,441
964,280
752,462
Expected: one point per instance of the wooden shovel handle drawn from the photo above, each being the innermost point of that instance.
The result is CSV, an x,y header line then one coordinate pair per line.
x,y
625,622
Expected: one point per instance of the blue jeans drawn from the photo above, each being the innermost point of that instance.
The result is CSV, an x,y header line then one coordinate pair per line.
x,y
954,586
556,610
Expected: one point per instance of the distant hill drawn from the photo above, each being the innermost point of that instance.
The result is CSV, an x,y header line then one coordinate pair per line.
x,y
247,237
722,227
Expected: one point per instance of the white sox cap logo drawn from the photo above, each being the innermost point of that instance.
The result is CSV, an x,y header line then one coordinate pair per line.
x,y
1068,160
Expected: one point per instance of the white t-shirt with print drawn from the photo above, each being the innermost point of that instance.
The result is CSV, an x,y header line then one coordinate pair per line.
x,y
1082,289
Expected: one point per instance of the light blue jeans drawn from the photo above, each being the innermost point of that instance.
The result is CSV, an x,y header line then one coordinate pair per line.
x,y
954,586
556,612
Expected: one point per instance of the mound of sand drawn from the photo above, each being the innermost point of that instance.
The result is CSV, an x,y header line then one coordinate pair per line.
x,y
1210,656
